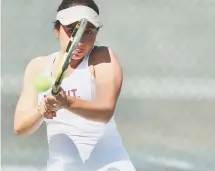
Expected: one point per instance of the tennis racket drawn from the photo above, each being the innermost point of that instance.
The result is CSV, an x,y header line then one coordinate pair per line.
x,y
72,45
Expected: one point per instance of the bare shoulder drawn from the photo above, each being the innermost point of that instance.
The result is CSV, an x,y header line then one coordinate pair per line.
x,y
107,72
103,54
106,66
37,65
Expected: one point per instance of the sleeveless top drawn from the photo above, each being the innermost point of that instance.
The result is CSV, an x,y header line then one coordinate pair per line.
x,y
83,132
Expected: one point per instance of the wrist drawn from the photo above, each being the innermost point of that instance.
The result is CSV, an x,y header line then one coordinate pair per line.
x,y
39,112
69,101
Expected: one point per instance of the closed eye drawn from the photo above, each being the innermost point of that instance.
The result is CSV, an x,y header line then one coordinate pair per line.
x,y
88,31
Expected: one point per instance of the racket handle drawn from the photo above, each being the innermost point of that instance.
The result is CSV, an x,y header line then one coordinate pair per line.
x,y
55,90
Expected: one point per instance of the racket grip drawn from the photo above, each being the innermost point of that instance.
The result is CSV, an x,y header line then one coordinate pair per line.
x,y
55,90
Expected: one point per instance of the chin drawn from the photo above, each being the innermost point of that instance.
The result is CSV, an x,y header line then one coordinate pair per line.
x,y
77,57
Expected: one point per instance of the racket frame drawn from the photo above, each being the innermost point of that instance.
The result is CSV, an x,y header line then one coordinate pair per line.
x,y
74,40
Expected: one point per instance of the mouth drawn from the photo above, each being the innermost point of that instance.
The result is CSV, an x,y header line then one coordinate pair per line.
x,y
78,51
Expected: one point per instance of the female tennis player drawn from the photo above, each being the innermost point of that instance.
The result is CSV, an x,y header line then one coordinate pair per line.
x,y
81,129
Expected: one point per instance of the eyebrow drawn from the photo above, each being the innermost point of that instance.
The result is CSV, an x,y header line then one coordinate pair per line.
x,y
89,25
72,27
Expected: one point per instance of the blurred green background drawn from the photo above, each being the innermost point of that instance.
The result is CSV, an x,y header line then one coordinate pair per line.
x,y
166,111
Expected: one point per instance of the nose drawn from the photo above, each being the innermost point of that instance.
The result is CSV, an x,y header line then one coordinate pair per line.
x,y
80,45
82,39
81,42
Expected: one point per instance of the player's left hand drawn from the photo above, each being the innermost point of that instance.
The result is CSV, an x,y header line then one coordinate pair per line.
x,y
56,102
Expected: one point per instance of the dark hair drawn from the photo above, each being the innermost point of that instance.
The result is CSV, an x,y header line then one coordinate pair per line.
x,y
71,3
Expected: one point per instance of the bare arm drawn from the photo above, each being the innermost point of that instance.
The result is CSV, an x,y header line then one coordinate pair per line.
x,y
108,75
27,118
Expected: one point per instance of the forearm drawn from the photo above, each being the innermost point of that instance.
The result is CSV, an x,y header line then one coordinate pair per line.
x,y
93,110
27,121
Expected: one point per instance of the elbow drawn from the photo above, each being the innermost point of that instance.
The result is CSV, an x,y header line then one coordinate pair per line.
x,y
21,132
18,130
18,126
21,129
108,114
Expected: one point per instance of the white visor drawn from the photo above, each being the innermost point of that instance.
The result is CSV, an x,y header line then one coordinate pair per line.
x,y
74,14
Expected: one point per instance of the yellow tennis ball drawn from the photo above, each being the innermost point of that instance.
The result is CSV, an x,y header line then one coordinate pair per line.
x,y
42,83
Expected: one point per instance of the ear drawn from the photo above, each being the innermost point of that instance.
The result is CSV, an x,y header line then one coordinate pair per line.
x,y
57,32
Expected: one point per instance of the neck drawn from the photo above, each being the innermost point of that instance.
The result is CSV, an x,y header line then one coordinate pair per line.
x,y
73,63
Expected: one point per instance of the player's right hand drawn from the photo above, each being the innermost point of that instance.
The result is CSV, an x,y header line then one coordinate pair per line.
x,y
46,113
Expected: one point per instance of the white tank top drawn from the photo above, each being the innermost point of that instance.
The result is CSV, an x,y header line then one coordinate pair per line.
x,y
82,132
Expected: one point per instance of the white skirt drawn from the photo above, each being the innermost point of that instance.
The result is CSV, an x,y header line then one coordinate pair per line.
x,y
108,154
